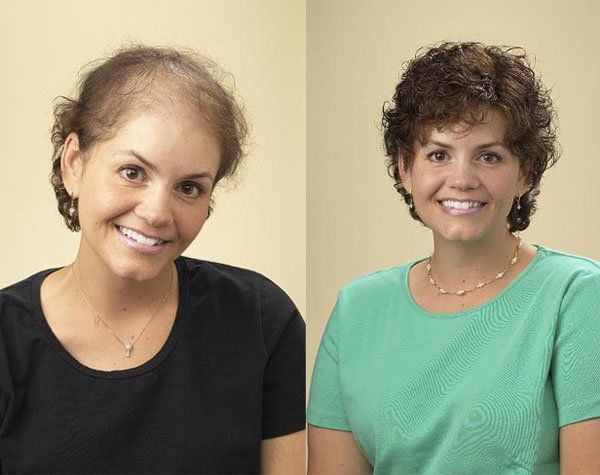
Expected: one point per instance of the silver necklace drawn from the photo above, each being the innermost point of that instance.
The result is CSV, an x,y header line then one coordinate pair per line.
x,y
480,285
128,347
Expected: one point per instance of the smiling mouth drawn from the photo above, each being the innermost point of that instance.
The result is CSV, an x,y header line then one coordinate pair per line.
x,y
139,238
462,205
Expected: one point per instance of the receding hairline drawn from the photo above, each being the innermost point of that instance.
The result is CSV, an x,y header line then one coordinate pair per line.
x,y
161,94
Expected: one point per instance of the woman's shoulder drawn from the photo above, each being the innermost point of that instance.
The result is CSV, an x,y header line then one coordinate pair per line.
x,y
217,269
250,294
559,263
571,278
17,307
19,293
215,273
234,282
377,282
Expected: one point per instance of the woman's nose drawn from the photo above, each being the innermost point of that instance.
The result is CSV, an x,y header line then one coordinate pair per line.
x,y
155,207
463,175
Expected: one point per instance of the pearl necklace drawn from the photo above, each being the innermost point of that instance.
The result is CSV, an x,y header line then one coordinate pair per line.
x,y
128,347
480,285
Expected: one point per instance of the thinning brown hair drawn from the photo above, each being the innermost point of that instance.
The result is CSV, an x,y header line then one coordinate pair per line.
x,y
461,82
122,84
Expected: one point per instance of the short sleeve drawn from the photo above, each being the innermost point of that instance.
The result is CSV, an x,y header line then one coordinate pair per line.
x,y
575,368
284,383
326,406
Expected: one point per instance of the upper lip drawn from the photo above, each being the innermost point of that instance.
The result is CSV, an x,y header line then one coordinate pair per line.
x,y
142,232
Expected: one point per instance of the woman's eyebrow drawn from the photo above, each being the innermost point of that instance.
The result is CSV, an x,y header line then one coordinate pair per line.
x,y
491,144
439,144
153,167
478,147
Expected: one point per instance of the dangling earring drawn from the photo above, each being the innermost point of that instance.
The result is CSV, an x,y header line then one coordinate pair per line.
x,y
72,215
72,209
518,199
411,202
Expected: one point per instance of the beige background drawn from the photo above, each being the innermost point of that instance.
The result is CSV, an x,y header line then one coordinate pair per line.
x,y
356,222
261,223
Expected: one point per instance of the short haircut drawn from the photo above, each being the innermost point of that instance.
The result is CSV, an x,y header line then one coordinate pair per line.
x,y
460,82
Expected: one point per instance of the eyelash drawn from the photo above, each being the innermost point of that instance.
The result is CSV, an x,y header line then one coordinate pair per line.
x,y
123,173
431,155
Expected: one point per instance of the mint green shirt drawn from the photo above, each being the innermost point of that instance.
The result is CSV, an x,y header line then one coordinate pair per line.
x,y
481,391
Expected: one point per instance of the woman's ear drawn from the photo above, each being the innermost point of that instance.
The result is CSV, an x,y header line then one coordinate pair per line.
x,y
523,183
71,164
404,171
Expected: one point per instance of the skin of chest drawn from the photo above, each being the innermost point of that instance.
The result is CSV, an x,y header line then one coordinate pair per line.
x,y
89,341
429,299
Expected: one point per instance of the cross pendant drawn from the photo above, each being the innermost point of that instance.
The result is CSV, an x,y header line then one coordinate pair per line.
x,y
128,350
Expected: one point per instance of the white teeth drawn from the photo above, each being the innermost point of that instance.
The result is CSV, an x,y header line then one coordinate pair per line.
x,y
147,241
461,204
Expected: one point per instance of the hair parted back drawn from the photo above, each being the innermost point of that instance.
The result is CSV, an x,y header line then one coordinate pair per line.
x,y
111,92
462,82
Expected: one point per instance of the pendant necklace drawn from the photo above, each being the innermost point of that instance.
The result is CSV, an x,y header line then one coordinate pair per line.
x,y
480,285
128,347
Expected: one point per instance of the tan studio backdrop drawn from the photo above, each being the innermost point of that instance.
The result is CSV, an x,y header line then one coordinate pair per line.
x,y
259,223
355,49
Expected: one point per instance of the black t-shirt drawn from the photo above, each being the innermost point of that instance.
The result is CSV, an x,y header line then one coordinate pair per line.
x,y
230,374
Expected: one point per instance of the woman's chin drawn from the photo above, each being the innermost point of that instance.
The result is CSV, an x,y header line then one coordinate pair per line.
x,y
462,234
137,271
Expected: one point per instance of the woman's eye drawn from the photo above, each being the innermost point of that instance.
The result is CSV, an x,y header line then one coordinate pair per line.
x,y
131,173
191,189
437,156
136,174
490,158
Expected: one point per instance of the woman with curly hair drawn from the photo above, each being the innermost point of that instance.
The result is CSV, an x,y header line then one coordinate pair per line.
x,y
133,358
483,357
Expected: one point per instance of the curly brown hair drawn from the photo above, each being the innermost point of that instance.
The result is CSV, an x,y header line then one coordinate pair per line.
x,y
461,82
111,92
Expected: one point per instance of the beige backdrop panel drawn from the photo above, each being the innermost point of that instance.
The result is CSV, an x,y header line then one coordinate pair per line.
x,y
356,222
261,223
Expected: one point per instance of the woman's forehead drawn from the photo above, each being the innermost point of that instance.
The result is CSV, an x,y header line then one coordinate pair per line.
x,y
162,122
492,126
163,140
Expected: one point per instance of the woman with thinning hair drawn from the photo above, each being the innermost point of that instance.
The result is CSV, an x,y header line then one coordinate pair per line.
x,y
133,358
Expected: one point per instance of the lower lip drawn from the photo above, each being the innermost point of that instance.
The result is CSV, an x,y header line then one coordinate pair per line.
x,y
136,246
461,212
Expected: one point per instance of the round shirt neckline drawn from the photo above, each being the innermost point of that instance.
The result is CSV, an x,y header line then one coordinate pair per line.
x,y
472,311
145,367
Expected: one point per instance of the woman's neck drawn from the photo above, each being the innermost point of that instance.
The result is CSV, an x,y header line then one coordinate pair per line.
x,y
457,265
113,296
